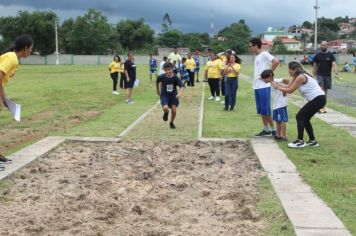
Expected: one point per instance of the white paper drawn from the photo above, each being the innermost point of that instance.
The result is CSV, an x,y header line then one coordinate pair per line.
x,y
14,108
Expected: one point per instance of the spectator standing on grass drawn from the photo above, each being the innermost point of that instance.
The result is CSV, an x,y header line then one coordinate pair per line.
x,y
122,75
166,86
190,67
161,70
114,68
231,72
9,61
213,76
354,60
280,114
324,61
316,99
196,57
263,61
174,56
346,67
184,75
130,76
153,66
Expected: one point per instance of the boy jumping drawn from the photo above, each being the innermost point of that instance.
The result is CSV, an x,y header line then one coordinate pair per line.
x,y
166,86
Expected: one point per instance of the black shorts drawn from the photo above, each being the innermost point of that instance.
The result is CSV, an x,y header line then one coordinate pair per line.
x,y
129,84
169,100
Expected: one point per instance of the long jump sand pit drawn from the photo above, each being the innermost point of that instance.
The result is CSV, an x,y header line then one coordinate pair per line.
x,y
136,188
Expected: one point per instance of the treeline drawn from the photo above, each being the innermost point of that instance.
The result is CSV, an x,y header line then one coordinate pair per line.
x,y
92,34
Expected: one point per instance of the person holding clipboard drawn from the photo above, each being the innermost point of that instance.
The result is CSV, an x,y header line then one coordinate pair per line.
x,y
9,61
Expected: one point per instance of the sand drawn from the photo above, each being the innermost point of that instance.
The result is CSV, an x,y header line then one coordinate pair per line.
x,y
136,188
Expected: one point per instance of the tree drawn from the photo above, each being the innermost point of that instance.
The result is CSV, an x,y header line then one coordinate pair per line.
x,y
237,36
278,47
39,24
91,34
328,24
134,34
170,38
307,25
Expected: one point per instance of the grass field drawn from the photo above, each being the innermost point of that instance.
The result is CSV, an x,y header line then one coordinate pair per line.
x,y
77,100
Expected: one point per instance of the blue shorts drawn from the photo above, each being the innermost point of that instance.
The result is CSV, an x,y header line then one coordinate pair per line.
x,y
263,101
185,78
169,100
196,69
153,71
280,115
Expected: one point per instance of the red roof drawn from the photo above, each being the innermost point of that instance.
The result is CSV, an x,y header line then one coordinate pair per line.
x,y
288,40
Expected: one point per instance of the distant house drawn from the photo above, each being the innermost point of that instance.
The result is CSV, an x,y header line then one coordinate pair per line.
x,y
266,44
346,28
291,44
352,20
341,45
273,33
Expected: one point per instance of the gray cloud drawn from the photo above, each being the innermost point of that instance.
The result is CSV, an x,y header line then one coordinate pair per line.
x,y
192,16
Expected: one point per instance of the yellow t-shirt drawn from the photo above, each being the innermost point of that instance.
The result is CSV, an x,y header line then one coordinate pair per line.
x,y
122,68
190,64
174,57
114,67
214,69
8,65
230,73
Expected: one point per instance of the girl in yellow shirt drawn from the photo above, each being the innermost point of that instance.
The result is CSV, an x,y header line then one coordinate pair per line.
x,y
213,75
232,71
190,67
8,65
114,68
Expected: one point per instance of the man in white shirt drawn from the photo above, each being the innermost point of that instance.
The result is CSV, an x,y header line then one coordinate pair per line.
x,y
263,60
174,56
161,70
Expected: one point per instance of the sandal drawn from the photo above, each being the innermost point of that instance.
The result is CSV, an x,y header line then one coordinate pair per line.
x,y
2,168
5,160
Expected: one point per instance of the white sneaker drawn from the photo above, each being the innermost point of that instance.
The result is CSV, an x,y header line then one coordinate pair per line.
x,y
115,92
211,98
217,99
297,144
222,102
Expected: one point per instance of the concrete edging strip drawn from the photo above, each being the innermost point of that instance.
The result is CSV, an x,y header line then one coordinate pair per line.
x,y
201,114
309,215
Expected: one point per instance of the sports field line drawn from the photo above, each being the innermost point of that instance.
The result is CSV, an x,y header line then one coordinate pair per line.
x,y
201,114
138,121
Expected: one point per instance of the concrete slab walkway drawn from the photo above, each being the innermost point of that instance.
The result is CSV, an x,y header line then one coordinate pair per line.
x,y
309,215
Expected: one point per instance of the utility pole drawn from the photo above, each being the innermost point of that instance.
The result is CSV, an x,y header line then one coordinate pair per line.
x,y
316,7
56,35
212,26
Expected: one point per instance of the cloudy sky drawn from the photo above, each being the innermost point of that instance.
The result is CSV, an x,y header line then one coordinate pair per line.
x,y
192,16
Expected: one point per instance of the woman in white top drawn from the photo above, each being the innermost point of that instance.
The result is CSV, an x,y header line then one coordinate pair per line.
x,y
311,91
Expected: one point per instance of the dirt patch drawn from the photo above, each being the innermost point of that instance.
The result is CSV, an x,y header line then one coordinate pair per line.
x,y
12,137
136,188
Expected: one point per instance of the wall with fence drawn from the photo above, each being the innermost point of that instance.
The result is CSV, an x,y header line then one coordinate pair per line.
x,y
66,59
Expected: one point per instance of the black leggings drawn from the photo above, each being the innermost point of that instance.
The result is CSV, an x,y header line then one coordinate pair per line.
x,y
214,87
306,113
114,77
122,79
191,78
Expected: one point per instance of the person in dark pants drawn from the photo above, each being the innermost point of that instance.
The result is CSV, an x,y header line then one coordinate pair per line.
x,y
166,86
324,61
130,75
231,71
122,75
114,68
311,91
213,76
190,67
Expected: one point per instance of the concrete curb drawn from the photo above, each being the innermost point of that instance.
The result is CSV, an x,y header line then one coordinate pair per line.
x,y
201,114
309,215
